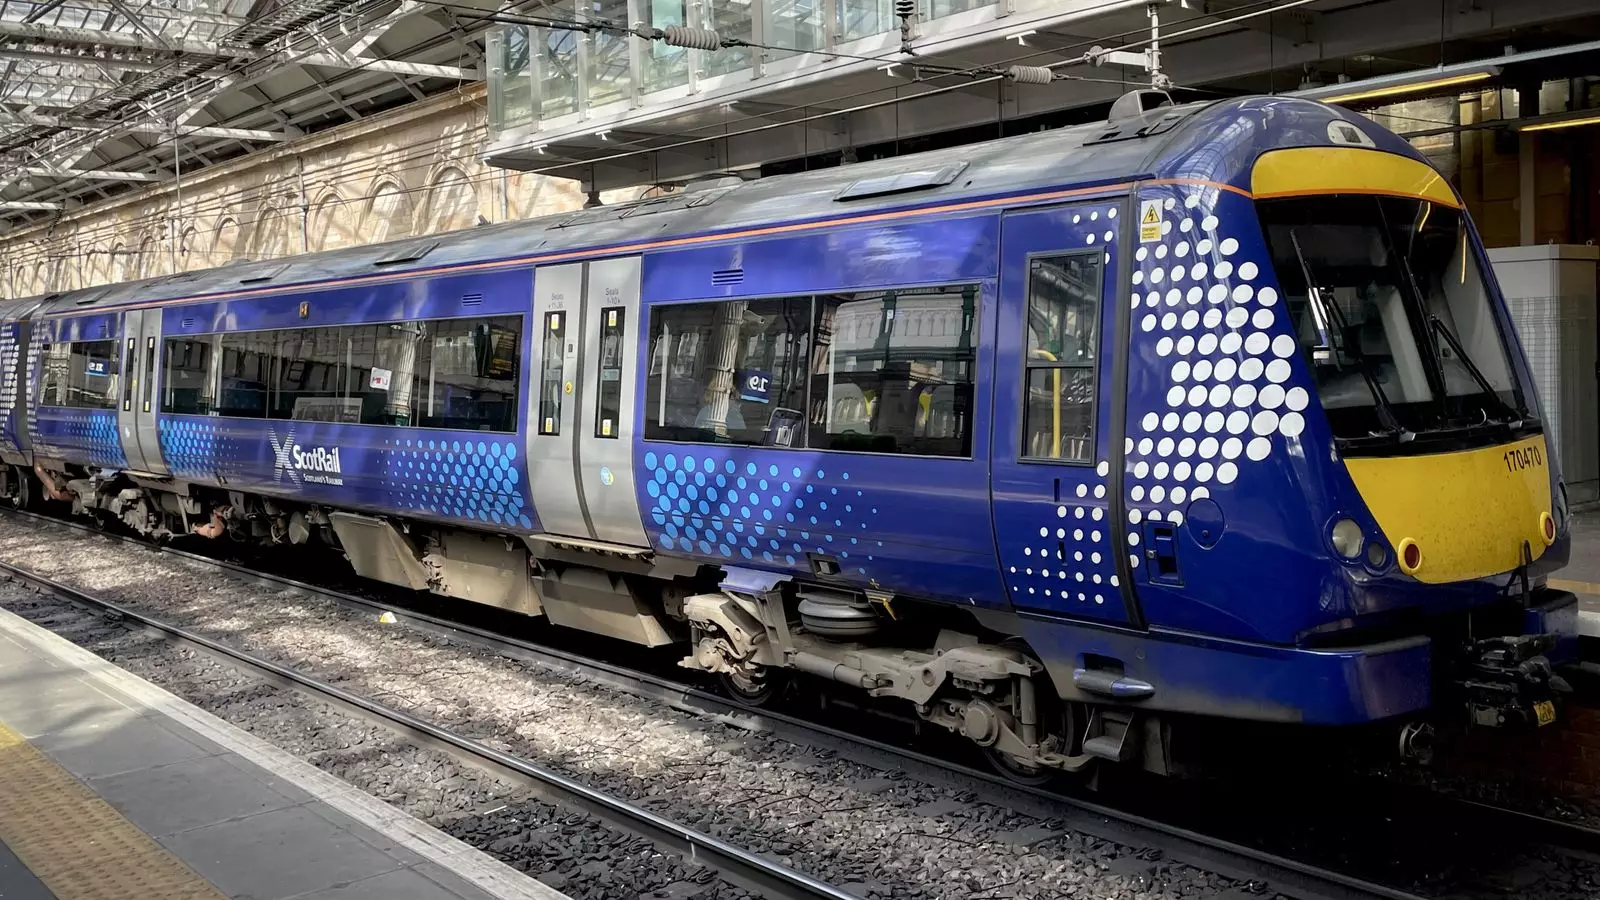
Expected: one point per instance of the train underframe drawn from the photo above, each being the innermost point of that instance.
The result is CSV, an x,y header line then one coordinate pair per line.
x,y
985,686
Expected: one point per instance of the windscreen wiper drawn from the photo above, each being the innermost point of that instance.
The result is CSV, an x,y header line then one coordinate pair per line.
x,y
1325,349
1515,418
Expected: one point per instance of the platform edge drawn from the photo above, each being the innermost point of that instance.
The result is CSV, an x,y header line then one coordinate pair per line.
x,y
461,859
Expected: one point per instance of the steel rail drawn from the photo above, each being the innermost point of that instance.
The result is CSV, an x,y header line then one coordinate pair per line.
x,y
746,869
1282,874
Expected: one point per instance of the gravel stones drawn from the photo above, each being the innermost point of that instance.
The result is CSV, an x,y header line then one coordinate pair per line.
x,y
836,820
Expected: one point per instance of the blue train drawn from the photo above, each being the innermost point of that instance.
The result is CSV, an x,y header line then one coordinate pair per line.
x,y
1208,410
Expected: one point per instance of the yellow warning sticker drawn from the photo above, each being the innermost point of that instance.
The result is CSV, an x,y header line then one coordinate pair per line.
x,y
1149,221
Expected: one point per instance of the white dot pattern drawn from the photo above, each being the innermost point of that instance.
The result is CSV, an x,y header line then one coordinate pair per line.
x,y
1228,400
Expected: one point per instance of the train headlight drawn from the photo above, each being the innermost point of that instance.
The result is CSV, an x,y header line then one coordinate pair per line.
x,y
1347,538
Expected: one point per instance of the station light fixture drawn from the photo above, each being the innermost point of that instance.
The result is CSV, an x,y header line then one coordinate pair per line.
x,y
1400,85
1554,124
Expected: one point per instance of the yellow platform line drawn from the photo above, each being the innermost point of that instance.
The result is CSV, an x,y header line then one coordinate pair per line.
x,y
1577,587
75,842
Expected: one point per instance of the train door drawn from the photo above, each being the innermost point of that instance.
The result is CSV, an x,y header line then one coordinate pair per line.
x,y
136,414
584,367
1052,445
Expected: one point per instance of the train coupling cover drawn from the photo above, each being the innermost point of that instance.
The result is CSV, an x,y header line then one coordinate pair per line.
x,y
1508,682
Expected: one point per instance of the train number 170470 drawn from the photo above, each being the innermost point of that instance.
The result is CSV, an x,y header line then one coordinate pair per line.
x,y
1519,458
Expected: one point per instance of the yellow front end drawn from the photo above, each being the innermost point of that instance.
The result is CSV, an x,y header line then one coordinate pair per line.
x,y
1467,514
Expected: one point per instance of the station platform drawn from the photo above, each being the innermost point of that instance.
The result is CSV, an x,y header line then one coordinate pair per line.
x,y
111,787
1582,572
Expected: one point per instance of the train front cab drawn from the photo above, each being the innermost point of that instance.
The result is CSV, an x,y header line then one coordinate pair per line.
x,y
1451,511
1338,504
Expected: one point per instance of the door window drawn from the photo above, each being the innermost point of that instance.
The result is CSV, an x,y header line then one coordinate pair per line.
x,y
1063,331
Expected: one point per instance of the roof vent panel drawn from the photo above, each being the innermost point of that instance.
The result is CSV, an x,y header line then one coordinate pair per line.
x,y
901,183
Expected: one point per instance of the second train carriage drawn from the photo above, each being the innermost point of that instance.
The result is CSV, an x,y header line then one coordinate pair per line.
x,y
1208,410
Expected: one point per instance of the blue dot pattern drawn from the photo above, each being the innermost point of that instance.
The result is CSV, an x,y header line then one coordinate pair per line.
x,y
469,479
736,505
189,446
89,435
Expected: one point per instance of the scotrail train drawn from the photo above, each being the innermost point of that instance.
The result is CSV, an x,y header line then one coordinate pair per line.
x,y
1203,411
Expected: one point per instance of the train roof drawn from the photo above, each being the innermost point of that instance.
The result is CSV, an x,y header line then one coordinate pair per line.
x,y
1137,143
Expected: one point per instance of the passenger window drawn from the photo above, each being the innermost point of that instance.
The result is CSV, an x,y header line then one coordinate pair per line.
x,y
128,357
246,374
313,376
467,374
608,397
186,386
554,358
382,372
894,371
452,373
81,374
730,372
1063,335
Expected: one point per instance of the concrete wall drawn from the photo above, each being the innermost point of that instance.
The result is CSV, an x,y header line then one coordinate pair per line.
x,y
409,171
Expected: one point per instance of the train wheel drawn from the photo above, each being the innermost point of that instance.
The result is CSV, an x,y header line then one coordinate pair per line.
x,y
1015,770
25,493
1057,718
753,689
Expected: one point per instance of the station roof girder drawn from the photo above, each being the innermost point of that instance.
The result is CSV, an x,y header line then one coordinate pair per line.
x,y
841,102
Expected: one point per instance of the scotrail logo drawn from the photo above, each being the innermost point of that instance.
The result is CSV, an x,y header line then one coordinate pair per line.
x,y
314,465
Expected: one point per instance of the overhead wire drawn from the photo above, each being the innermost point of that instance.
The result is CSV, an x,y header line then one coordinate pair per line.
x,y
263,216
1279,5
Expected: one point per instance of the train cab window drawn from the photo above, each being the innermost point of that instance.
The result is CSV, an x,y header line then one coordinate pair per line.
x,y
186,376
81,374
893,371
1063,334
729,372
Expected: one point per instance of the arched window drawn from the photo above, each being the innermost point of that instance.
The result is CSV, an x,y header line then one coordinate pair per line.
x,y
388,213
189,254
452,202
121,263
332,223
224,243
274,227
152,259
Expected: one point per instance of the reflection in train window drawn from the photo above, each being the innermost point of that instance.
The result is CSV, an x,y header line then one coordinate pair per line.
x,y
731,372
453,373
81,374
186,383
1063,329
894,371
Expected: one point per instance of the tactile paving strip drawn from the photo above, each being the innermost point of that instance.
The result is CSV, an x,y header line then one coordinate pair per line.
x,y
74,842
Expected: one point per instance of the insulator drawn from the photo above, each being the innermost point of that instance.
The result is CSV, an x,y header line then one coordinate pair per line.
x,y
1030,75
905,9
693,38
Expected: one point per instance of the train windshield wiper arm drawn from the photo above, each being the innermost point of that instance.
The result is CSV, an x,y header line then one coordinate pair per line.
x,y
1514,417
1326,350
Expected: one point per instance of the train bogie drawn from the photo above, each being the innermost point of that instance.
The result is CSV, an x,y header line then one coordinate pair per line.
x,y
1211,411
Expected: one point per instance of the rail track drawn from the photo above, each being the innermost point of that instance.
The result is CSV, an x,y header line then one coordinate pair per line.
x,y
1267,872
